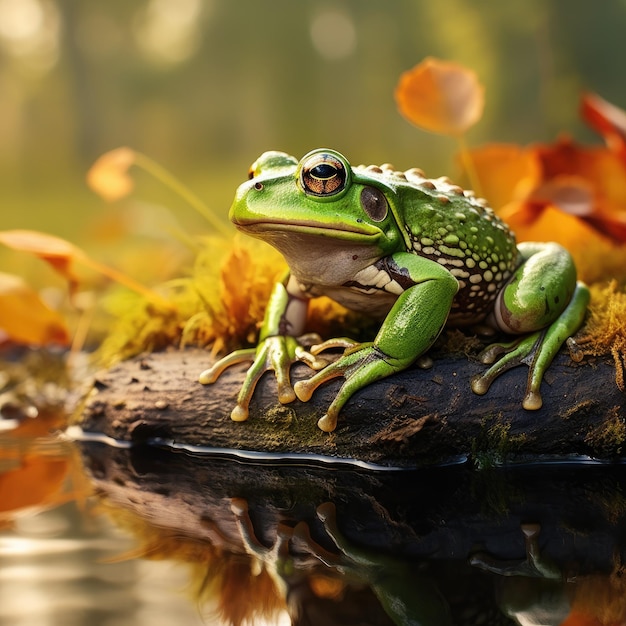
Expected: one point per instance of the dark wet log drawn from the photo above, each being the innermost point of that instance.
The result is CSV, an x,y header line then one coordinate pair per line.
x,y
416,418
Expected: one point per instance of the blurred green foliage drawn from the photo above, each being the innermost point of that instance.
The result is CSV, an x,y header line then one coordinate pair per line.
x,y
204,86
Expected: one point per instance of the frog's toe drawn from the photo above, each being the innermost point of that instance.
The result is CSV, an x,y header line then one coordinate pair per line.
x,y
480,384
532,400
328,422
283,383
312,360
304,388
344,343
286,393
239,413
210,375
495,350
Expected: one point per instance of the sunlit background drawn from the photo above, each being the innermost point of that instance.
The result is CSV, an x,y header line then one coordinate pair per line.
x,y
204,86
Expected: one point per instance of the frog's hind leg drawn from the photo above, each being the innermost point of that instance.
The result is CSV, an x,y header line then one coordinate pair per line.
x,y
536,350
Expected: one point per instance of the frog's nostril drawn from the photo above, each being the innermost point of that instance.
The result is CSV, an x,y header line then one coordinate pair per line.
x,y
258,186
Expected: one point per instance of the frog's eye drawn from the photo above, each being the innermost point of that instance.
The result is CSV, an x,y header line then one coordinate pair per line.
x,y
374,203
323,175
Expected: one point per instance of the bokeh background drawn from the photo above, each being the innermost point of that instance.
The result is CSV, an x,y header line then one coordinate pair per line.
x,y
204,86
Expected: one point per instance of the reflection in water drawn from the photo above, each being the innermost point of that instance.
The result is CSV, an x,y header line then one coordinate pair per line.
x,y
96,534
450,546
58,556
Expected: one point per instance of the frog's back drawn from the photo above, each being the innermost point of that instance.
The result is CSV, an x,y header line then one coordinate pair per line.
x,y
449,225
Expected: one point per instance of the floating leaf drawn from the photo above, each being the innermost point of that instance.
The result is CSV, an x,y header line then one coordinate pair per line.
x,y
108,176
441,97
25,318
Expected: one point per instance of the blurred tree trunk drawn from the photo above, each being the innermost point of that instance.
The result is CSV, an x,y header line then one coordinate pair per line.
x,y
83,101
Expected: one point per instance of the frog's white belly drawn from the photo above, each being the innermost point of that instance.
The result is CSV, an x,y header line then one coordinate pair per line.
x,y
375,303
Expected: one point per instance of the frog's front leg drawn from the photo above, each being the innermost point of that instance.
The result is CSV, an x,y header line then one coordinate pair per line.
x,y
281,344
410,328
543,299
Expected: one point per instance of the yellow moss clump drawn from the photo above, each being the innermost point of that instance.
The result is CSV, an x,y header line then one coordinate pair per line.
x,y
605,330
220,304
235,299
232,289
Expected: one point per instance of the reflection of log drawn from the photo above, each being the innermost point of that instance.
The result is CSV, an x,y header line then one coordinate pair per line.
x,y
417,417
443,516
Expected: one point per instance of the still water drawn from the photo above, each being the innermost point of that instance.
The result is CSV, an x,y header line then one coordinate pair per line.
x,y
92,533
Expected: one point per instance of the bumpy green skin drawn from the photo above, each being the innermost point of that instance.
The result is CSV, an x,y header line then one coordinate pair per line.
x,y
416,253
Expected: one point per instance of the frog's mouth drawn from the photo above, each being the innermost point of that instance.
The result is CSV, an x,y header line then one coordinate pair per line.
x,y
350,232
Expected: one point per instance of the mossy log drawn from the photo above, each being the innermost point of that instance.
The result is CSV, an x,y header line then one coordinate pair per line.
x,y
415,418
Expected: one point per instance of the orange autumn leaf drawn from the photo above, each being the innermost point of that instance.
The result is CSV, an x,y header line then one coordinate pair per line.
x,y
607,119
586,183
37,481
441,97
108,176
505,172
25,318
60,254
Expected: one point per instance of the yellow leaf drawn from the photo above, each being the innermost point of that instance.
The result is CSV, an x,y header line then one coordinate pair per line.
x,y
108,176
441,97
25,318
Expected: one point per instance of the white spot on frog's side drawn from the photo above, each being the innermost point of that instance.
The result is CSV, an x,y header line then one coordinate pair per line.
x,y
458,273
371,279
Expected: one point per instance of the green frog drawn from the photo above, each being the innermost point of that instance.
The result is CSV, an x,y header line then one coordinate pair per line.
x,y
414,252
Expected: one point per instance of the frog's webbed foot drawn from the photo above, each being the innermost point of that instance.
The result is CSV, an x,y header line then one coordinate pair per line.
x,y
537,350
506,356
360,365
275,353
533,566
